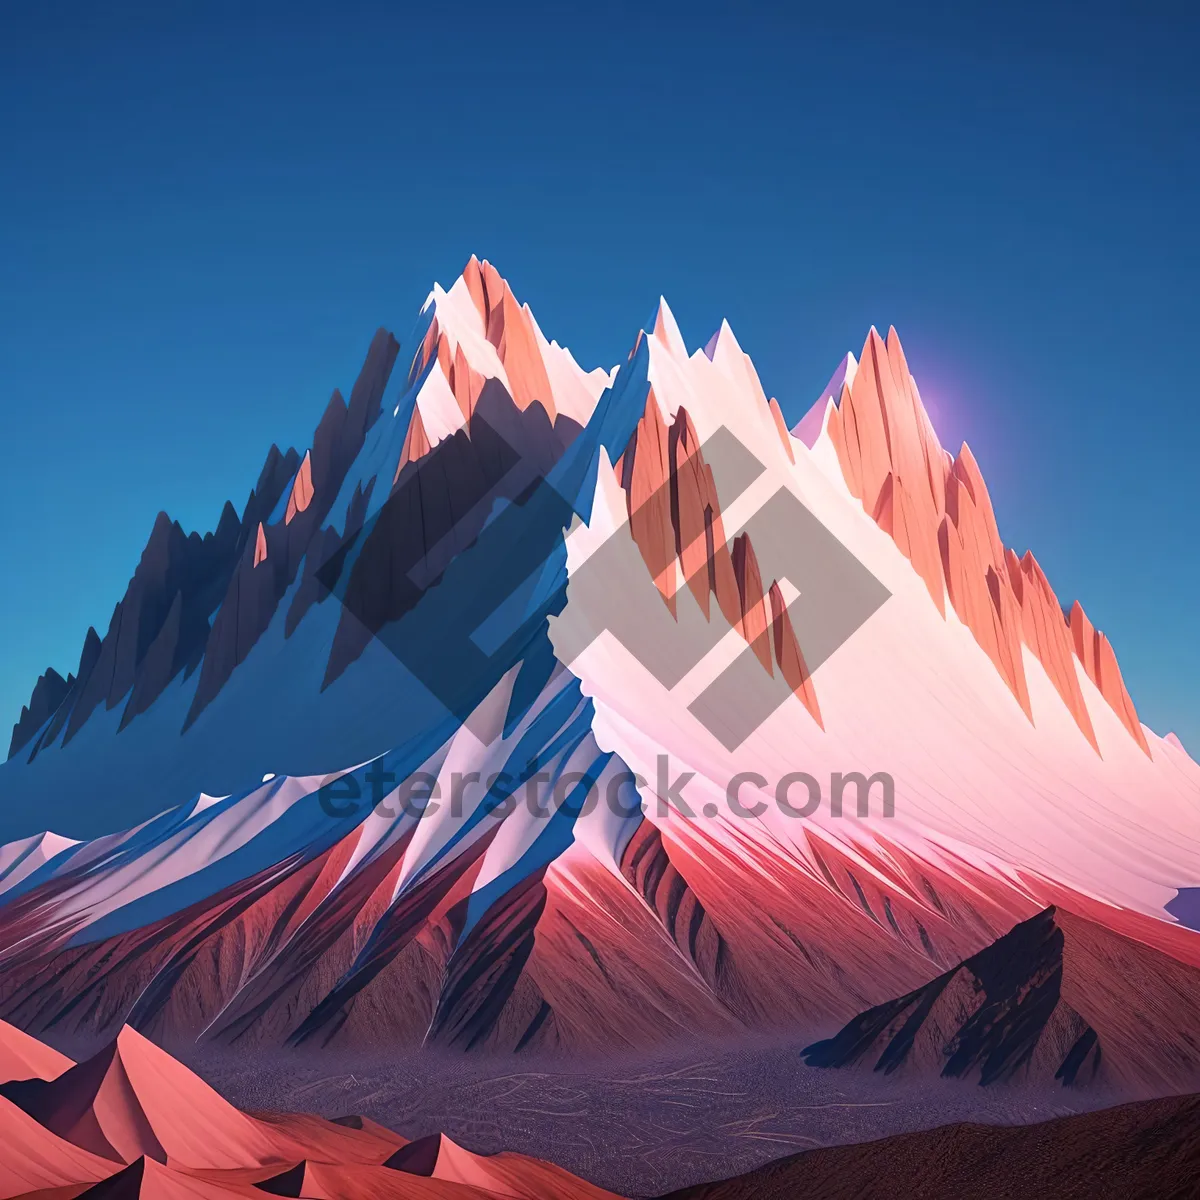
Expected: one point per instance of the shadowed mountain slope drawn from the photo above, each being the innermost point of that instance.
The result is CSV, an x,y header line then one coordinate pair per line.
x,y
1147,1149
1056,998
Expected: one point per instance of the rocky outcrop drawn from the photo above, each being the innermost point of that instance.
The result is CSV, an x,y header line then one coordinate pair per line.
x,y
509,327
938,511
270,562
675,519
437,506
781,428
996,1014
789,657
201,601
302,490
1096,654
755,620
880,430
1047,635
1042,1003
48,693
160,626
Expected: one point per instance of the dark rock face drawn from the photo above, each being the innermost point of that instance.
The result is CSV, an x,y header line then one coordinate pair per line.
x,y
160,624
48,693
260,581
160,627
286,1183
164,625
998,1014
124,1185
647,865
436,508
197,605
487,998
1048,1001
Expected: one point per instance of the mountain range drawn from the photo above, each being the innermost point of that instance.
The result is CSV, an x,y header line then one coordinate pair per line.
x,y
516,584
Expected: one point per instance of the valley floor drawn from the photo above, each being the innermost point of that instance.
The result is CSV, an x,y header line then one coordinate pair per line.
x,y
638,1126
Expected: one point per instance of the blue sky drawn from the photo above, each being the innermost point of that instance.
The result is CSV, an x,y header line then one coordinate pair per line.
x,y
206,210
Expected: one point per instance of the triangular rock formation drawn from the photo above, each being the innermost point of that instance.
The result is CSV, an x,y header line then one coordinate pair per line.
x,y
1042,1002
938,511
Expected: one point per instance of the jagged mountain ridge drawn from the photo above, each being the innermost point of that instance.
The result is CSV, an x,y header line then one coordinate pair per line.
x,y
260,916
161,626
318,502
165,623
938,510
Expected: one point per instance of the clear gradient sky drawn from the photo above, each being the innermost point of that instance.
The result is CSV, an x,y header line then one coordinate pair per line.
x,y
207,209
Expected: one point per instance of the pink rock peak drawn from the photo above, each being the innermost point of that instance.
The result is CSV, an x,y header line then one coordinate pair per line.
x,y
260,545
509,327
938,511
302,490
675,518
1096,654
